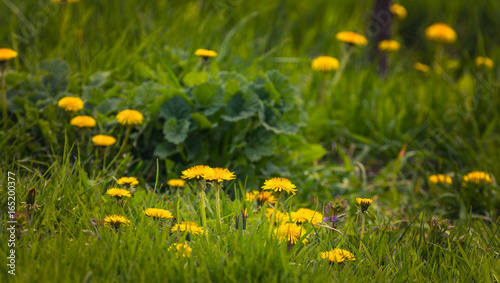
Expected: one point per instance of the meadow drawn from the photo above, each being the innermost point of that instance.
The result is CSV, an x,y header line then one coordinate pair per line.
x,y
229,140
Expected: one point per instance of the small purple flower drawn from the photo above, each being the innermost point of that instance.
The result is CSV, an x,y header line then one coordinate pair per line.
x,y
331,219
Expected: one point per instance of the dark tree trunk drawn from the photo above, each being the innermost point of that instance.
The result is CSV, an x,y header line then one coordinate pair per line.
x,y
380,29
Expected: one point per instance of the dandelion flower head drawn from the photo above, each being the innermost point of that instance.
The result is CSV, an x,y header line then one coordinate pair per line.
x,y
388,45
116,221
103,140
484,62
189,227
205,53
197,172
325,64
83,121
290,232
129,117
440,179
304,215
70,104
279,185
337,256
176,183
7,54
398,11
441,32
158,213
477,177
132,181
219,175
352,38
119,193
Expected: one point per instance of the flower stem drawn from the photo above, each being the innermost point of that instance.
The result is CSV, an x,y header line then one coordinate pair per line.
x,y
202,209
217,206
346,53
122,147
362,230
4,101
273,216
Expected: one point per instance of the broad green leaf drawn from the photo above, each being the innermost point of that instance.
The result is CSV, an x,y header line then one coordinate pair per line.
x,y
195,78
56,79
177,108
239,108
306,153
201,120
165,149
176,131
259,144
208,97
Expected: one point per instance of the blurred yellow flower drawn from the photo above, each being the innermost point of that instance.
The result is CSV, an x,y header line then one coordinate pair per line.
x,y
388,45
478,178
129,117
103,140
279,217
176,183
181,250
337,256
132,181
441,32
196,172
440,179
398,11
421,67
364,203
250,196
116,221
83,121
119,193
189,227
205,53
325,64
158,213
352,38
279,185
263,197
304,215
70,104
484,62
290,232
219,175
7,54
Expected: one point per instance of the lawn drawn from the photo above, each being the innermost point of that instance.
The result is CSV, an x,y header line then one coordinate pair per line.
x,y
279,141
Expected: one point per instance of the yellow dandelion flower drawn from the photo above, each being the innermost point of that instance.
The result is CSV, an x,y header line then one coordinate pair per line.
x,y
196,172
441,32
116,221
181,250
250,196
388,45
205,53
279,185
263,197
71,104
484,62
325,64
118,193
421,67
364,203
83,121
7,54
398,11
219,175
132,181
176,183
304,215
129,117
337,256
440,179
290,232
189,227
352,38
103,140
158,213
280,217
478,178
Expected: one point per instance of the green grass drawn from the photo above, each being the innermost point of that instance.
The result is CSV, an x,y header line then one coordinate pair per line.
x,y
372,136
